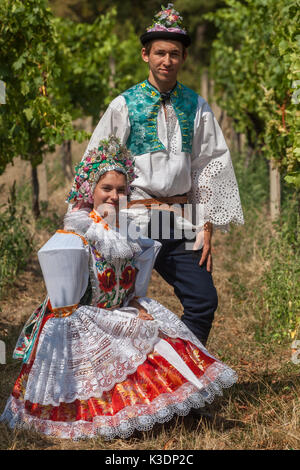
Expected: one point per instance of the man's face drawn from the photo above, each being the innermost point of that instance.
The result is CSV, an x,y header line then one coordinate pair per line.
x,y
165,59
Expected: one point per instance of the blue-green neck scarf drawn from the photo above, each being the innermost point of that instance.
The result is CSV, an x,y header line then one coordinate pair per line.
x,y
143,102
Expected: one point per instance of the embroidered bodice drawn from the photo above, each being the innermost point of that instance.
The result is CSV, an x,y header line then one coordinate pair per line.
x,y
111,281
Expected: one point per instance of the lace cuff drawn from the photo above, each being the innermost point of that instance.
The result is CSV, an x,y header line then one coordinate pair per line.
x,y
215,195
214,190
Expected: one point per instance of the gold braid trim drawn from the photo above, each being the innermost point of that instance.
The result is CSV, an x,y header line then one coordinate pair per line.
x,y
74,233
64,311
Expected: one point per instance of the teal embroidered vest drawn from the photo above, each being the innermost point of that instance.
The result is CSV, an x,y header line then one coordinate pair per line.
x,y
143,103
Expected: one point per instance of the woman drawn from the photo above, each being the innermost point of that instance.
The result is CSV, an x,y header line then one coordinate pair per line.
x,y
99,357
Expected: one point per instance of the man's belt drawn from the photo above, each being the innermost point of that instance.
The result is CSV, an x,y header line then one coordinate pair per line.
x,y
161,203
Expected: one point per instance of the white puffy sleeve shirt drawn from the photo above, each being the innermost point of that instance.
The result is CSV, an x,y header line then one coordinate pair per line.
x,y
206,174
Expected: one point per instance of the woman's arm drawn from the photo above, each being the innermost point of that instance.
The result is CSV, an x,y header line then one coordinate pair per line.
x,y
64,263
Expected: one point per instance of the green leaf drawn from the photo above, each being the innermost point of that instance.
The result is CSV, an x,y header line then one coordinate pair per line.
x,y
19,63
297,151
24,88
294,179
28,113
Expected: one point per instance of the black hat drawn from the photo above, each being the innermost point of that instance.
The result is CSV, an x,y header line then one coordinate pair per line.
x,y
167,25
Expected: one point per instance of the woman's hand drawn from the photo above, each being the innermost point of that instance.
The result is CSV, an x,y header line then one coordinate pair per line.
x,y
143,314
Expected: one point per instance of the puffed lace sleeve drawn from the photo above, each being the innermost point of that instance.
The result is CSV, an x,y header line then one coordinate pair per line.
x,y
64,263
214,191
115,121
144,263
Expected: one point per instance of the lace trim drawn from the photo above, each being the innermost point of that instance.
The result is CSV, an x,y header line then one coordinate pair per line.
x,y
215,194
83,355
171,121
170,324
86,354
124,423
110,243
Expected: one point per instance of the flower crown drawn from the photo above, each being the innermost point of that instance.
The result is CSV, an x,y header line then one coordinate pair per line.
x,y
110,155
167,19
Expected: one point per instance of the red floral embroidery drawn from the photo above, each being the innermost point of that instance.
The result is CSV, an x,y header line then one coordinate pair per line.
x,y
102,305
107,280
128,276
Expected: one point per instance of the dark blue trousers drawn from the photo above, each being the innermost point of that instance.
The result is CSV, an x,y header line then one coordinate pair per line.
x,y
192,283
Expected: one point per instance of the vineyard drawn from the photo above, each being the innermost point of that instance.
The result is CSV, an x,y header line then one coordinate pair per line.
x,y
61,63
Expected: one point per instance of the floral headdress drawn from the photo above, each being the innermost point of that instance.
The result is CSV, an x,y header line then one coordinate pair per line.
x,y
167,25
110,155
168,18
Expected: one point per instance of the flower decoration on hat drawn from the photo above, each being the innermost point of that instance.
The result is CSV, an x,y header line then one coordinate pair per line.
x,y
167,24
167,18
110,155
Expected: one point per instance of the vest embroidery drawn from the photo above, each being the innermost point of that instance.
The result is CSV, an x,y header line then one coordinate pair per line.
x,y
143,103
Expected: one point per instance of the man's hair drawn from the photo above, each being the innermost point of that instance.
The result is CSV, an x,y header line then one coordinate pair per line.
x,y
148,46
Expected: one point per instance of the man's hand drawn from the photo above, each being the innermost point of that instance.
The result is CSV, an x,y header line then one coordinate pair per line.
x,y
205,238
206,252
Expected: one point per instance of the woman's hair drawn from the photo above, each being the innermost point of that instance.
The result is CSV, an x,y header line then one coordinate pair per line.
x,y
118,171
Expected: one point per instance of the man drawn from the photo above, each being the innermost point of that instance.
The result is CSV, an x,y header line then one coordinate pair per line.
x,y
180,156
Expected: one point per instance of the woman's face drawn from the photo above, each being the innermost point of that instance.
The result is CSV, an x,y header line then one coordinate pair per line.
x,y
111,186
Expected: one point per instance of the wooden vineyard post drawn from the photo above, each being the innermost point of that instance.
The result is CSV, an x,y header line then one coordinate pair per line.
x,y
205,85
35,192
43,183
274,191
67,163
